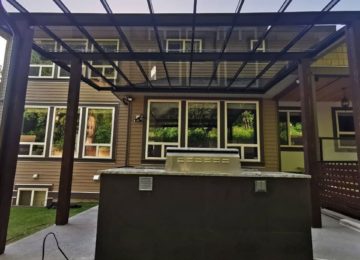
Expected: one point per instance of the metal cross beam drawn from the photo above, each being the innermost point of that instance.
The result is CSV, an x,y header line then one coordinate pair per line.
x,y
226,41
185,57
186,20
192,41
157,35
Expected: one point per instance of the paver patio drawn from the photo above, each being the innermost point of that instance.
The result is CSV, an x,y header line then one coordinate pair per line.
x,y
77,239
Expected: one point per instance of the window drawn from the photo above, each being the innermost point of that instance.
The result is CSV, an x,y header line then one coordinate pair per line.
x,y
58,129
242,129
163,128
183,45
34,132
77,45
40,67
345,129
103,66
202,124
98,136
290,128
261,48
31,197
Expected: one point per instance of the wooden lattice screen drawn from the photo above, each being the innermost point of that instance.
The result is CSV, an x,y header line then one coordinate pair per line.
x,y
339,184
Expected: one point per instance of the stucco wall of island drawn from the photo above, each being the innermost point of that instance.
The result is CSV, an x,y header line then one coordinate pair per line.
x,y
247,215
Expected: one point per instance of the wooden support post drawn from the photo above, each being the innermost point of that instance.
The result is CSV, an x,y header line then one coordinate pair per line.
x,y
67,162
353,43
310,136
11,122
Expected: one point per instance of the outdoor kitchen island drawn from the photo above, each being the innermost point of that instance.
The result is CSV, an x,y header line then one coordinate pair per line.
x,y
164,214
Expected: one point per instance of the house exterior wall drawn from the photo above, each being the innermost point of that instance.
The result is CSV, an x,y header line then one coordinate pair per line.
x,y
293,160
53,92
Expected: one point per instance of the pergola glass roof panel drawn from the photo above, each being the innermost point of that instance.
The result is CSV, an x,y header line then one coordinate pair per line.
x,y
152,50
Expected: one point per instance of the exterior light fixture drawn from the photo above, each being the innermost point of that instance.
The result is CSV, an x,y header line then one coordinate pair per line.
x,y
127,100
35,176
139,118
345,102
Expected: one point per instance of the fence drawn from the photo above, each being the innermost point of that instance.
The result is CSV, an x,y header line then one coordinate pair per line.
x,y
339,184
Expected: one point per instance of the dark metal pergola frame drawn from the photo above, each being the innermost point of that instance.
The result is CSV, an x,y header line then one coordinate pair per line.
x,y
20,26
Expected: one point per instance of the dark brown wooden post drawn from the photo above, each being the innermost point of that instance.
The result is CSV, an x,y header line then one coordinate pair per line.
x,y
310,135
12,118
353,44
67,162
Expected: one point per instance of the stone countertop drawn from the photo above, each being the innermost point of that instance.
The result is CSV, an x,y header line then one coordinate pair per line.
x,y
248,173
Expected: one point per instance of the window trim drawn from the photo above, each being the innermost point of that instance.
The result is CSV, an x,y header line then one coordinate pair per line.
x,y
32,195
40,66
111,145
261,48
66,40
187,118
147,143
37,143
336,130
288,111
242,146
77,154
184,40
103,67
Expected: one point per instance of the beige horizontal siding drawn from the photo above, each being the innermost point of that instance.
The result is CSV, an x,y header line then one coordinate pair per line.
x,y
270,135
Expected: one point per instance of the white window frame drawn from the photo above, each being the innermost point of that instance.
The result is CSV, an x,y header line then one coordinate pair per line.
x,y
288,111
242,146
163,144
76,154
183,43
338,132
37,143
262,47
32,195
187,118
97,145
40,66
102,68
67,40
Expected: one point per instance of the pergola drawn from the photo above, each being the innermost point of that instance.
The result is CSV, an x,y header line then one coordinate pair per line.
x,y
21,28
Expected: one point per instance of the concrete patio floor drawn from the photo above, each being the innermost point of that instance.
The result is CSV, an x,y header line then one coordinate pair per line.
x,y
77,239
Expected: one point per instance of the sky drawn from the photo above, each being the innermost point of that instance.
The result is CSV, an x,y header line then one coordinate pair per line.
x,y
177,6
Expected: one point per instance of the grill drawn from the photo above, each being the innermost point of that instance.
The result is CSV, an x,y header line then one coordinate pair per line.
x,y
202,160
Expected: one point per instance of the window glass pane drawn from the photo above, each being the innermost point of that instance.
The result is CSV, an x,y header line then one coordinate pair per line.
x,y
39,198
295,128
24,149
202,125
283,128
58,132
37,150
346,122
98,137
154,151
250,152
108,46
197,46
175,46
34,71
34,125
25,198
241,123
163,122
